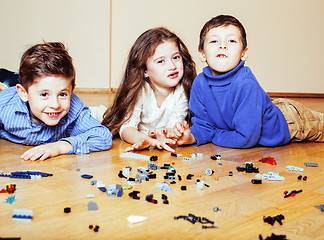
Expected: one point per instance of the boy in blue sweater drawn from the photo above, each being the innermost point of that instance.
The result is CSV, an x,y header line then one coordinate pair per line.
x,y
43,111
229,108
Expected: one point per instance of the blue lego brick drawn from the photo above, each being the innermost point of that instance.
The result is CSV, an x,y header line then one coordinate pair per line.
x,y
22,215
20,176
311,164
102,189
87,176
32,173
120,192
5,175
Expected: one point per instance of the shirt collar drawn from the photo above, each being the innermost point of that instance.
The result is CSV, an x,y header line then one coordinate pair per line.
x,y
224,79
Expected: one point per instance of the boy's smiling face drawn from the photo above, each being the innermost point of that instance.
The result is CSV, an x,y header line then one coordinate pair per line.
x,y
49,99
223,49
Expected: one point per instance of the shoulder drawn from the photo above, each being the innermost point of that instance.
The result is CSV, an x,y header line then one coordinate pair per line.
x,y
245,78
200,81
76,105
9,96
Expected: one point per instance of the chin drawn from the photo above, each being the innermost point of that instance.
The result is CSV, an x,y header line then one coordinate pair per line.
x,y
52,122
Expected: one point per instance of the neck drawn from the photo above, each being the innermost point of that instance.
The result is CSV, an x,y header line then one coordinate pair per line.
x,y
161,94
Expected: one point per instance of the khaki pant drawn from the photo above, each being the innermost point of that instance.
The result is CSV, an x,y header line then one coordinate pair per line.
x,y
304,124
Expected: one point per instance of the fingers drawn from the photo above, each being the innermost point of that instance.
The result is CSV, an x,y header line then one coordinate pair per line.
x,y
144,143
44,156
152,133
131,148
164,131
178,129
34,154
185,125
170,141
156,143
167,147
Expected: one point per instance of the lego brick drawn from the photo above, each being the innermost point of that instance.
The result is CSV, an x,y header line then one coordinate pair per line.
x,y
22,215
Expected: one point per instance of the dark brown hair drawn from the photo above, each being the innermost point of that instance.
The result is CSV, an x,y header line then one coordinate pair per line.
x,y
133,80
46,59
218,21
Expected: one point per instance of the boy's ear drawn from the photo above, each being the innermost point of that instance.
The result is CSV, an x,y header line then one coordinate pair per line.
x,y
23,94
202,56
244,54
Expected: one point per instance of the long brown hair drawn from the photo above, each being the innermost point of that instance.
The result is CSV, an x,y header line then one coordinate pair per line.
x,y
133,80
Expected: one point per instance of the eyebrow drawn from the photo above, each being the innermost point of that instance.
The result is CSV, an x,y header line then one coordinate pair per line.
x,y
176,53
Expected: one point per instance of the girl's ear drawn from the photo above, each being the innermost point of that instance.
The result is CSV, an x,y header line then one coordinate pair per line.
x,y
146,75
244,54
23,94
202,56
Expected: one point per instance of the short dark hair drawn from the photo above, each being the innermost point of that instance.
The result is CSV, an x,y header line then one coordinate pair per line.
x,y
218,21
45,59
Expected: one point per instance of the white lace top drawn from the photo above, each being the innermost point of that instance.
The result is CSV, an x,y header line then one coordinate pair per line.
x,y
148,115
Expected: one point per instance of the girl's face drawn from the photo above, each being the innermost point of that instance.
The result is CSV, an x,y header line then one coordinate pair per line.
x,y
165,67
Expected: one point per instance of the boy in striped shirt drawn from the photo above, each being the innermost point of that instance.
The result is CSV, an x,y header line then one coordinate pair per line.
x,y
43,111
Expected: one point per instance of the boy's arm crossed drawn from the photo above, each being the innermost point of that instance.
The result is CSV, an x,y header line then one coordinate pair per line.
x,y
88,135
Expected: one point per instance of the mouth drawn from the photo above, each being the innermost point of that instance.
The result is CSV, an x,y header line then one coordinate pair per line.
x,y
53,114
173,75
221,56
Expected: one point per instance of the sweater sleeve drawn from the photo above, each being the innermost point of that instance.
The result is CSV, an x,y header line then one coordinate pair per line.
x,y
247,117
88,135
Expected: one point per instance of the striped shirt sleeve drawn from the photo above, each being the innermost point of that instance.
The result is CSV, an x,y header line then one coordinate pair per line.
x,y
86,133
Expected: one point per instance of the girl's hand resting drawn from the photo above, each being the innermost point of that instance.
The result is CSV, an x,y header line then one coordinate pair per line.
x,y
157,138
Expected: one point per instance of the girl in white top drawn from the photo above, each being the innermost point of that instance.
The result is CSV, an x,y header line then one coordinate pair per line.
x,y
154,91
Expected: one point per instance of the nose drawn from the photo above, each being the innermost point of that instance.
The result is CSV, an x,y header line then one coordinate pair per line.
x,y
223,46
54,103
172,65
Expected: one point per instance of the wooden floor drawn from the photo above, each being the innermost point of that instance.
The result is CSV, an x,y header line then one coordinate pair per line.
x,y
242,203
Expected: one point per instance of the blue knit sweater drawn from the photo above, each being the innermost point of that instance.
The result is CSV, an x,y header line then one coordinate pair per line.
x,y
232,110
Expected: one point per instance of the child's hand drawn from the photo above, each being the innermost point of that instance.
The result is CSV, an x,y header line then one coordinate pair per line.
x,y
157,138
163,137
47,150
183,134
144,143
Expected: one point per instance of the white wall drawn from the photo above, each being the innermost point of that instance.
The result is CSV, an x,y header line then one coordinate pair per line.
x,y
83,25
285,38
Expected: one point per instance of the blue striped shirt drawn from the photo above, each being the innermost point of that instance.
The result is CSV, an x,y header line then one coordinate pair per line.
x,y
78,127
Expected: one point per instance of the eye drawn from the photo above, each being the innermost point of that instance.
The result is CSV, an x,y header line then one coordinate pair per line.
x,y
44,94
160,61
177,57
232,41
63,94
213,41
